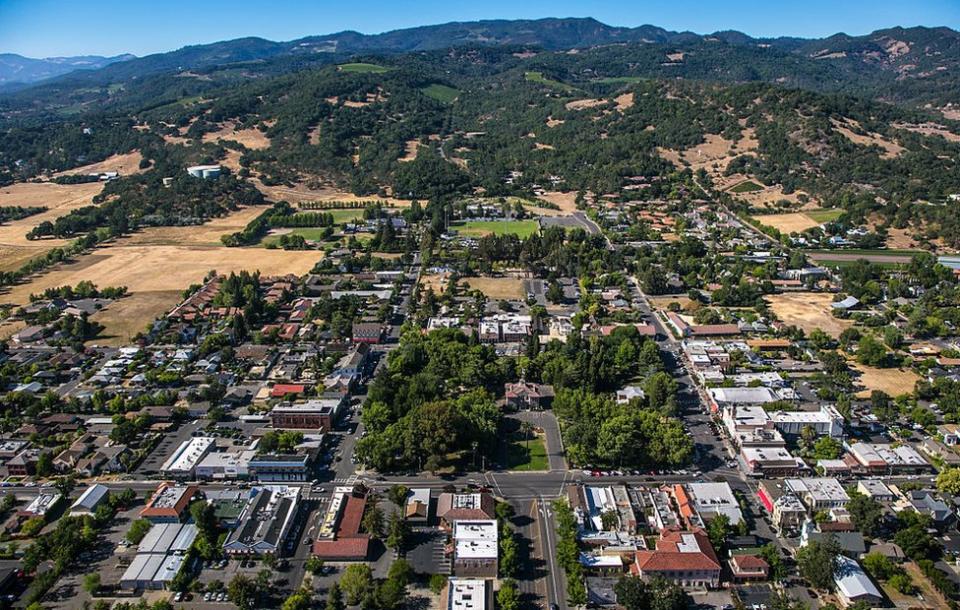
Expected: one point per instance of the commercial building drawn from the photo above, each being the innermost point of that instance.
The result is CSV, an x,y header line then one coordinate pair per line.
x,y
168,538
883,458
338,533
89,500
151,571
467,594
770,461
417,507
475,548
682,557
853,585
280,467
225,465
183,462
818,493
786,510
466,507
317,414
708,500
46,499
825,422
266,522
169,503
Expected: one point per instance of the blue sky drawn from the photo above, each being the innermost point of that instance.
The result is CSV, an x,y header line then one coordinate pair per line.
x,y
43,28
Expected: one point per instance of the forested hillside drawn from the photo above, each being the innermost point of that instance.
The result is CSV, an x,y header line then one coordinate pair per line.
x,y
612,120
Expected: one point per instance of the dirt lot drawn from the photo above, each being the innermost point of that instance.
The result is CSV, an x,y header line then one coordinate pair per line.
x,y
808,310
126,164
250,137
788,223
892,381
434,281
496,287
566,201
664,302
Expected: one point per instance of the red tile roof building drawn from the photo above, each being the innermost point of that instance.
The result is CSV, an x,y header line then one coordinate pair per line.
x,y
683,557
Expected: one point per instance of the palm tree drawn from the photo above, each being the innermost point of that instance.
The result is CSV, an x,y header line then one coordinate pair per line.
x,y
526,428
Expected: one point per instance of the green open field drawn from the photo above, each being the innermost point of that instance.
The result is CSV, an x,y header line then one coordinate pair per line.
x,y
862,252
308,233
824,215
479,228
620,80
527,455
363,68
844,264
341,216
441,93
538,77
747,186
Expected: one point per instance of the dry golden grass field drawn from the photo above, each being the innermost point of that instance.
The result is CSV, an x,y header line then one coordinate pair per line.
x,y
59,199
788,223
125,164
807,310
250,137
496,287
892,381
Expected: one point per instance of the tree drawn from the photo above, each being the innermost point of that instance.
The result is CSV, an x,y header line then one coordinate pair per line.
x,y
871,351
717,530
335,598
865,513
508,597
373,521
356,582
437,583
401,571
948,481
609,520
138,529
770,553
827,448
398,494
91,582
45,464
300,600
917,543
398,532
313,564
242,591
633,593
817,562
526,430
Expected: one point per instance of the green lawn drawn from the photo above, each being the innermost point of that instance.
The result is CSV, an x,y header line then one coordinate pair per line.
x,y
747,186
845,264
479,228
363,68
341,216
441,93
825,215
527,455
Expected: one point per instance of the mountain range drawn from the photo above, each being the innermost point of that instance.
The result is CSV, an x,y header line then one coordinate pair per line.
x,y
19,69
